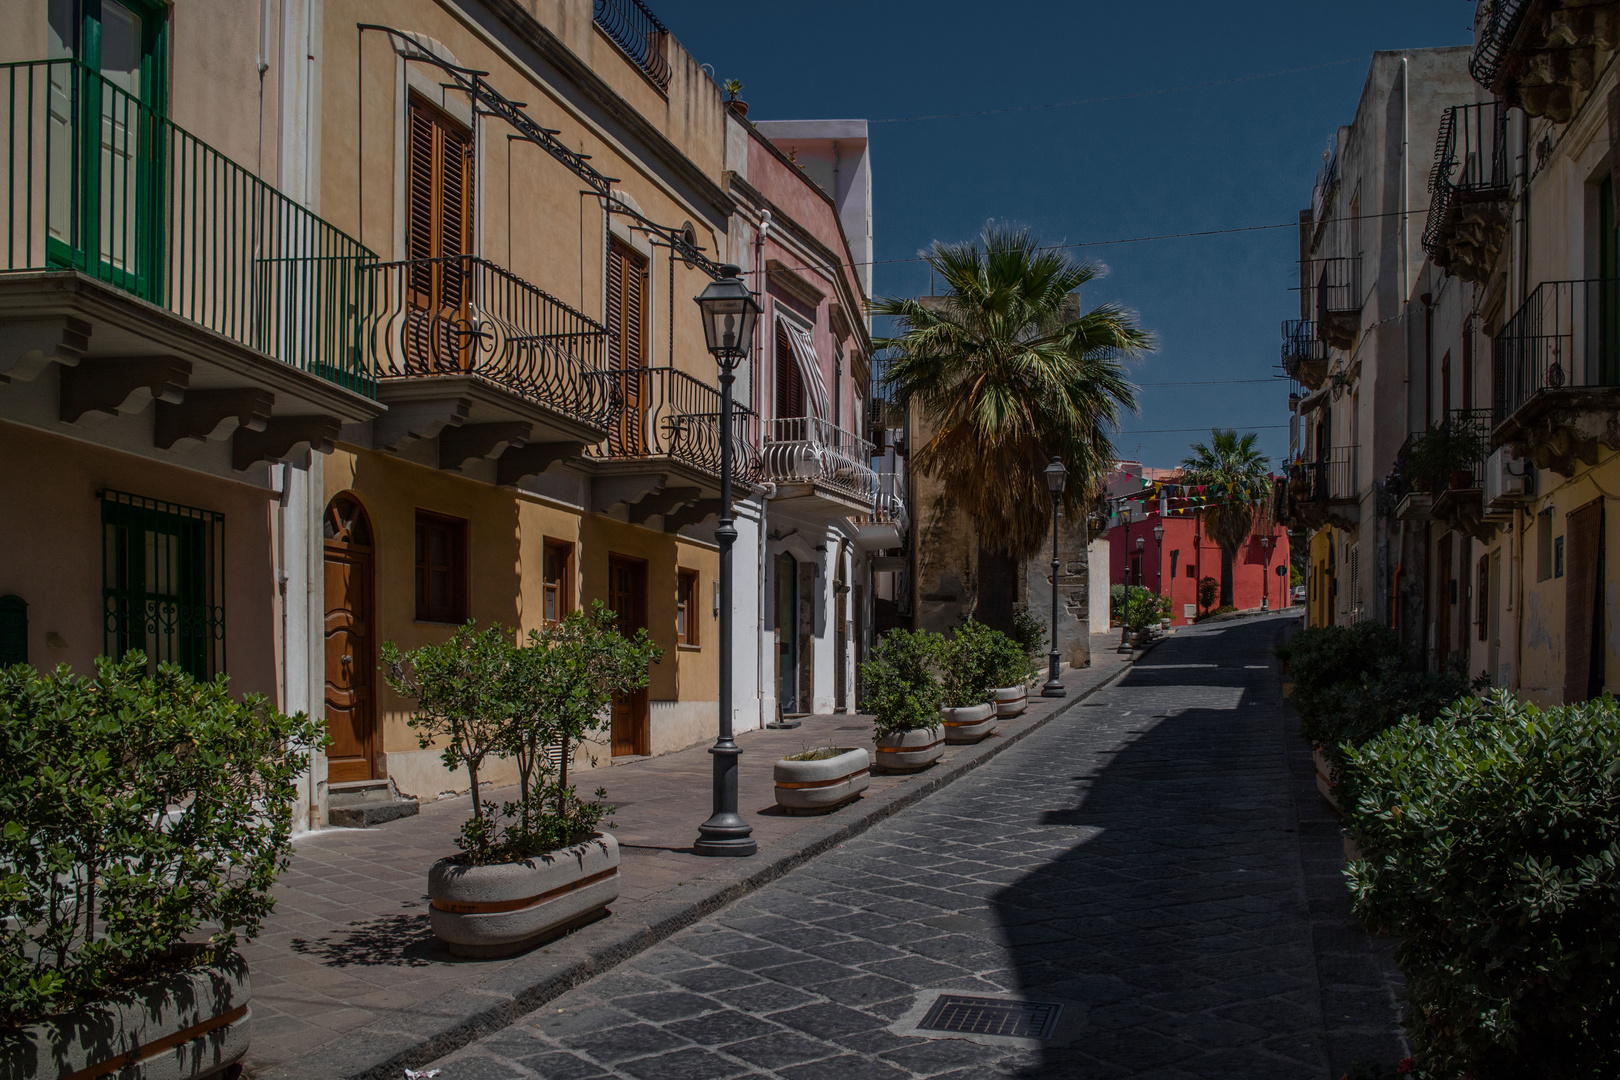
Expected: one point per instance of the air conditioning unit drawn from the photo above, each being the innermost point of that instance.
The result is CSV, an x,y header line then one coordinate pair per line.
x,y
1505,479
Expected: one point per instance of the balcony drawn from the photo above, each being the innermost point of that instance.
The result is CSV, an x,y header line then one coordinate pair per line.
x,y
820,471
501,378
1323,491
1459,500
1332,288
633,27
1557,375
1304,353
1327,179
141,263
661,456
1468,191
1543,56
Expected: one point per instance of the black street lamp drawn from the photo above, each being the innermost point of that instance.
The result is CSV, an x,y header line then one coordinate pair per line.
x,y
1265,579
1125,579
729,312
1057,478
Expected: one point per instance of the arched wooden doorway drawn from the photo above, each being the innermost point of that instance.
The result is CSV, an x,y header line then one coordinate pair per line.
x,y
351,668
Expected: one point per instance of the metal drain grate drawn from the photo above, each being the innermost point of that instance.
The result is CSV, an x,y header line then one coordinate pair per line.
x,y
992,1016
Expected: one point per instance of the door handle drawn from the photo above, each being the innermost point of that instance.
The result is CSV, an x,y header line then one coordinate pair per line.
x,y
345,659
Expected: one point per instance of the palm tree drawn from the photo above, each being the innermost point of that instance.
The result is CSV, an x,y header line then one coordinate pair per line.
x,y
1011,374
1240,497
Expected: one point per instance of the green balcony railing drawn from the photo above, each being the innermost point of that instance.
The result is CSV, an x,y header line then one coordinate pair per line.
x,y
97,181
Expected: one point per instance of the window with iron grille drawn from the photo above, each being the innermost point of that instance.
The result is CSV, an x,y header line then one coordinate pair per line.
x,y
163,582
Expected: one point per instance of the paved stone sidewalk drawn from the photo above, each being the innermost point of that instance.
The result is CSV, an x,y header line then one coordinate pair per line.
x,y
349,947
1140,860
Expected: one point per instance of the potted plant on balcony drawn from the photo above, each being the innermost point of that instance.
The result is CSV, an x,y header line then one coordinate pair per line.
x,y
904,694
821,778
1447,454
537,866
136,810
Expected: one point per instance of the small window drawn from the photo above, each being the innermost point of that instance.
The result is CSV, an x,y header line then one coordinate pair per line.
x,y
559,575
1544,545
1192,571
686,607
441,568
1558,557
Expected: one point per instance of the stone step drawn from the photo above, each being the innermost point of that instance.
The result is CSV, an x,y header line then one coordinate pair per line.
x,y
357,804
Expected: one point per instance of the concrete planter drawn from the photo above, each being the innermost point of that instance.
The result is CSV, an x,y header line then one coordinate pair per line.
x,y
823,784
184,1026
1010,700
1326,782
968,724
910,750
487,911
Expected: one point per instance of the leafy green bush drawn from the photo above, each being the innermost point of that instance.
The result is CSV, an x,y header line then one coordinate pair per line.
x,y
1145,608
135,810
902,690
1116,604
1352,682
1031,633
1491,844
485,696
974,660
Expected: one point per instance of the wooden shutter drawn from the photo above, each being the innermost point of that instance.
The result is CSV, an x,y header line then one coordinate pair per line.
x,y
789,383
627,340
438,230
1583,548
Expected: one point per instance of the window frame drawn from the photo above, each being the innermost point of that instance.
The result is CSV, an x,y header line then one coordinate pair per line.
x,y
688,612
456,613
560,591
186,591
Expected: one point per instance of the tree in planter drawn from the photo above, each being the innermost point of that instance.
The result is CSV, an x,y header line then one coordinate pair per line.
x,y
1009,374
1233,475
558,689
903,691
459,688
1209,591
135,809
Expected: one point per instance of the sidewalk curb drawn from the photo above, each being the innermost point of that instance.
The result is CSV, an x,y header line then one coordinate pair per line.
x,y
434,1028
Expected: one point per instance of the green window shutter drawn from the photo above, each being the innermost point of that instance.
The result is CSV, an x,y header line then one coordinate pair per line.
x,y
13,631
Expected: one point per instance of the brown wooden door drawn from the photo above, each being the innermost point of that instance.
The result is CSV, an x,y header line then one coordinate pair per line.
x,y
1583,585
1445,601
627,596
350,667
438,238
627,346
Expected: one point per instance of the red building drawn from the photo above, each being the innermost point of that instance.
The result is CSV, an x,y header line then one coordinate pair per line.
x,y
1171,561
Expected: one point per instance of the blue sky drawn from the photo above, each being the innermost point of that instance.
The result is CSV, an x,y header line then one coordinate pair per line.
x,y
1216,158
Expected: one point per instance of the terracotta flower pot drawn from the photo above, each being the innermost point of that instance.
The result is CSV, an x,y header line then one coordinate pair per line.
x,y
968,724
738,106
1010,700
1461,479
184,1026
505,908
910,750
824,783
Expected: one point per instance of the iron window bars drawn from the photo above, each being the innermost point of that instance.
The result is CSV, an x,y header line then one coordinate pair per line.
x,y
163,582
98,182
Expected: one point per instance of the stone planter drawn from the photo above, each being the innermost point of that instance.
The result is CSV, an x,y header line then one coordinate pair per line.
x,y
910,750
1326,782
485,911
968,724
1010,700
824,784
183,1026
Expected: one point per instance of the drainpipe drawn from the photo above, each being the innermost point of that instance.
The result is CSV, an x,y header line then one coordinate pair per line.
x,y
767,490
1406,133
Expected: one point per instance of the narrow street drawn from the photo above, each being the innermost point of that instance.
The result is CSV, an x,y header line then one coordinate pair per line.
x,y
1156,862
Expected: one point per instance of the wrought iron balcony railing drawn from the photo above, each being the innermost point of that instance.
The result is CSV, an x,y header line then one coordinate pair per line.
x,y
1301,343
467,316
664,412
1470,160
98,182
1333,286
804,449
635,29
1501,24
1565,336
1474,424
1331,477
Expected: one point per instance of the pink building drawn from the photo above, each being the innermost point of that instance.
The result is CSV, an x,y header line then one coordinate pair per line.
x,y
1173,561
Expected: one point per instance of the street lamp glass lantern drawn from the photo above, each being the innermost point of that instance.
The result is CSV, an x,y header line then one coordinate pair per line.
x,y
1158,533
1057,477
729,313
1141,542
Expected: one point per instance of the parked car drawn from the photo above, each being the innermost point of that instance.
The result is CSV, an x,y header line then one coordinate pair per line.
x,y
1299,594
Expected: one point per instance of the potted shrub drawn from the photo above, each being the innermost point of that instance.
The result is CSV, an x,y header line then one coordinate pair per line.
x,y
537,866
904,696
1013,669
1143,609
822,778
967,711
1446,454
136,810
732,87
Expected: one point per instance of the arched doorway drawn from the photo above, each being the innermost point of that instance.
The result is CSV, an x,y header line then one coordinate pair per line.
x,y
351,702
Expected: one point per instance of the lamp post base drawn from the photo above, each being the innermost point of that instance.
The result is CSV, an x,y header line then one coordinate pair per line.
x,y
1054,685
725,835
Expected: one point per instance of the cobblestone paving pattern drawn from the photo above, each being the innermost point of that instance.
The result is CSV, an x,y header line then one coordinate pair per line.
x,y
1141,858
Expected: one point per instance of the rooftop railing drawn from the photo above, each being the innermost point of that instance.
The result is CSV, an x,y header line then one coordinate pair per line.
x,y
1470,158
805,449
1566,335
467,316
98,182
664,412
635,29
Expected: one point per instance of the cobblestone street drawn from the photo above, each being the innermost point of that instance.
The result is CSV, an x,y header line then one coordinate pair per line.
x,y
1155,862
